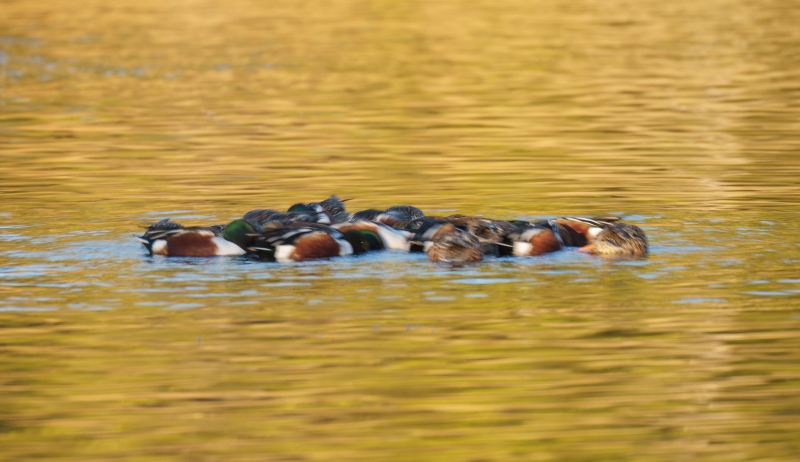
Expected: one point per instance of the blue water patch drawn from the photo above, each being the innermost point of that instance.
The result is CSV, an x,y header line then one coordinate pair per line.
x,y
481,281
151,303
630,262
768,293
673,268
287,284
649,275
86,233
692,301
149,290
555,272
62,285
639,218
16,273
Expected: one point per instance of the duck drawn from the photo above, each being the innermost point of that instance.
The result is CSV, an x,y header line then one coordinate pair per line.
x,y
378,235
580,231
444,242
605,236
304,242
324,229
455,247
491,233
262,217
619,240
168,238
426,230
331,210
406,212
398,216
536,238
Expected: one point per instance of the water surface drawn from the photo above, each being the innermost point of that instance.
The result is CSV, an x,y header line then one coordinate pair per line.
x,y
683,117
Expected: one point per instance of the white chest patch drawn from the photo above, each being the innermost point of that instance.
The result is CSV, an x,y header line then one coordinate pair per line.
x,y
595,231
159,247
522,249
345,248
530,233
283,253
225,247
394,240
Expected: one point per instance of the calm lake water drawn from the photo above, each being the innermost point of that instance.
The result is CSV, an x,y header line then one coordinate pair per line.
x,y
682,116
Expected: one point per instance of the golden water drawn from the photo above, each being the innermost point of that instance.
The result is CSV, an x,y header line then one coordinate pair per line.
x,y
683,116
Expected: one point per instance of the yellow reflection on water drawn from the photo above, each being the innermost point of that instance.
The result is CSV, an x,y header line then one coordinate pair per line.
x,y
113,115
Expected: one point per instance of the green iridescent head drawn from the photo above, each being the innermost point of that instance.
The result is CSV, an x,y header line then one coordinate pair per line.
x,y
239,232
301,208
375,242
357,241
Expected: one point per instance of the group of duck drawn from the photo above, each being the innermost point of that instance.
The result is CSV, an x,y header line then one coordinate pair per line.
x,y
319,230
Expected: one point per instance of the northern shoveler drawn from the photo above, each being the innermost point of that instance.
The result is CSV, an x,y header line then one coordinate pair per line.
x,y
619,240
407,212
173,239
398,216
605,236
426,230
331,210
491,233
580,231
366,215
455,247
378,235
304,242
324,229
444,242
262,217
536,238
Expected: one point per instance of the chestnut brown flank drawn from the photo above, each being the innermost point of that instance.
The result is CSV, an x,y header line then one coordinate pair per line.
x,y
315,245
573,232
544,242
191,245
